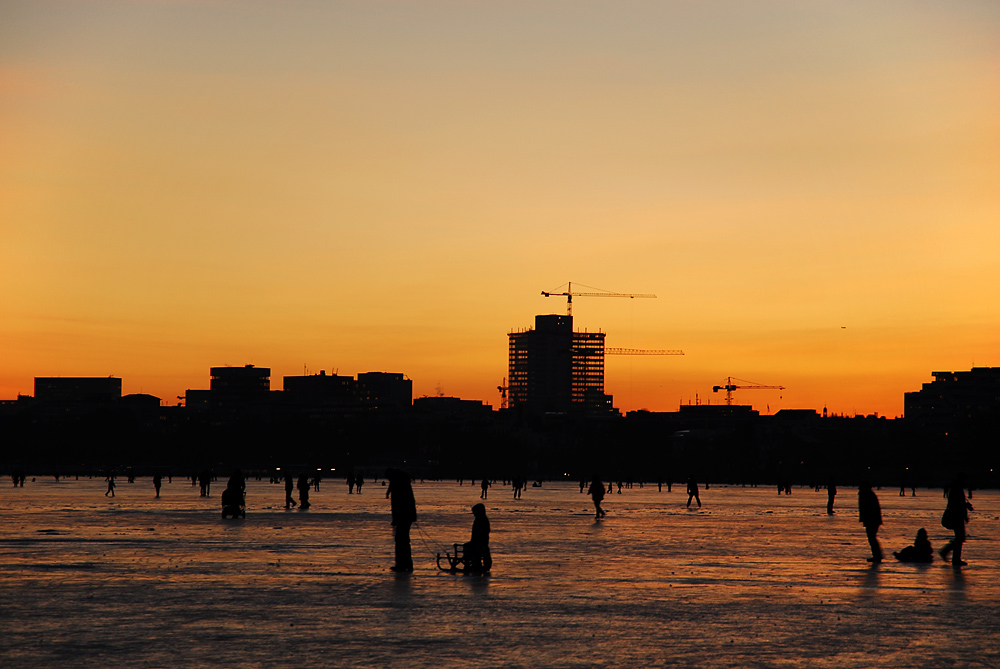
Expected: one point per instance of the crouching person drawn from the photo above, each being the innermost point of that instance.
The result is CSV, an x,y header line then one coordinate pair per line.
x,y
477,550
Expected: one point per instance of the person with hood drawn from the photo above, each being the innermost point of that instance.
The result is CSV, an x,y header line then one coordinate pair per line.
x,y
870,515
477,549
404,513
920,551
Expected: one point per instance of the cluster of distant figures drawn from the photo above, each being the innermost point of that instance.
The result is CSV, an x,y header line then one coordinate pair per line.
x,y
597,492
474,556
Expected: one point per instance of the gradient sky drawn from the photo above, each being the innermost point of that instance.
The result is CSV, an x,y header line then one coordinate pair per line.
x,y
812,189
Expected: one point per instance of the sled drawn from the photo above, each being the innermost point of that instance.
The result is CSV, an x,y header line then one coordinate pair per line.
x,y
459,560
455,560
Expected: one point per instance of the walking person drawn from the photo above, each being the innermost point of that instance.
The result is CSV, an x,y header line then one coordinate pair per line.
x,y
303,487
831,492
693,491
111,485
289,487
485,485
157,482
956,515
205,480
404,513
597,494
870,515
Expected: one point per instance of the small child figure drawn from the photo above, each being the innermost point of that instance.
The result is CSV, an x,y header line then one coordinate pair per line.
x,y
920,551
477,550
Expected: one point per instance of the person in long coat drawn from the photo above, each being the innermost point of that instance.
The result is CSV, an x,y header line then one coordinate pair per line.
x,y
303,486
870,515
956,515
404,514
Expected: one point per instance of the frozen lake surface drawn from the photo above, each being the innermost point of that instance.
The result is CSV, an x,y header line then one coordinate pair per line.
x,y
749,580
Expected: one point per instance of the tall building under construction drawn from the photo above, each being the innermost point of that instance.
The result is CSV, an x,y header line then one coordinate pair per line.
x,y
553,369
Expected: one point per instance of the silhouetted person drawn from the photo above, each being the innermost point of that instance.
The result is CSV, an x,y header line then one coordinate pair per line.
x,y
956,515
831,492
597,494
234,496
485,485
404,514
157,482
316,480
583,485
303,486
693,491
111,485
477,550
289,487
358,482
238,482
350,483
519,485
205,480
920,551
870,515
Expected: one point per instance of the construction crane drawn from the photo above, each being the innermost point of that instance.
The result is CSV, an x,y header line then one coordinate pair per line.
x,y
503,393
569,294
729,387
641,351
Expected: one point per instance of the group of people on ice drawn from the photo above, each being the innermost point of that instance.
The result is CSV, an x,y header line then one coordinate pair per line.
x,y
956,515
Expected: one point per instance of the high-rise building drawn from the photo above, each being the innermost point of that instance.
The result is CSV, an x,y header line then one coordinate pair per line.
x,y
956,397
553,369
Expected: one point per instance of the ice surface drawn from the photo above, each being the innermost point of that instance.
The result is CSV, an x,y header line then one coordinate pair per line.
x,y
749,580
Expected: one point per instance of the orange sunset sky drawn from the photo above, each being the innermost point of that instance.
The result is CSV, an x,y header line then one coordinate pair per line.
x,y
812,189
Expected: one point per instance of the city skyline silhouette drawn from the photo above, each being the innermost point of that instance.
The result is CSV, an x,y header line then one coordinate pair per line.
x,y
270,268
810,191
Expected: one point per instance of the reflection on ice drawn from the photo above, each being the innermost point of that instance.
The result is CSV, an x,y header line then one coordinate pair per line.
x,y
749,579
